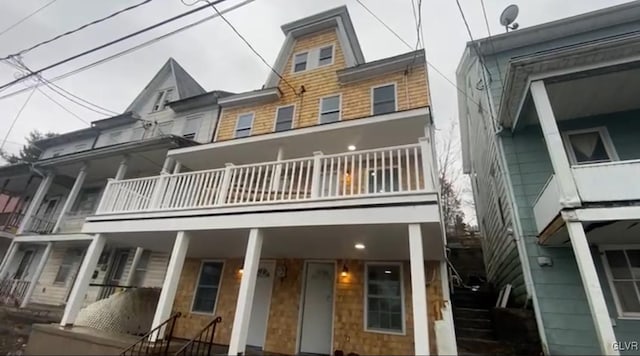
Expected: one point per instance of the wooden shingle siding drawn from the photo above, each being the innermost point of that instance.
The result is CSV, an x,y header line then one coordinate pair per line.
x,y
411,91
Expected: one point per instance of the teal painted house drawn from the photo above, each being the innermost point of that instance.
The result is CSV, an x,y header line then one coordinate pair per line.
x,y
550,128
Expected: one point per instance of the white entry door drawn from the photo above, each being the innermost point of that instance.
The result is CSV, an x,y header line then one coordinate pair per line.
x,y
317,311
261,303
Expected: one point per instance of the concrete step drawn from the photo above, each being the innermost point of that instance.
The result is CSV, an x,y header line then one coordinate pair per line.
x,y
472,323
473,333
470,313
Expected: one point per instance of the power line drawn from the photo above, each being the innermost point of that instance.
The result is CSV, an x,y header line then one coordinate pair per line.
x,y
27,17
111,43
493,47
15,119
383,24
62,106
249,45
466,24
130,50
105,112
75,30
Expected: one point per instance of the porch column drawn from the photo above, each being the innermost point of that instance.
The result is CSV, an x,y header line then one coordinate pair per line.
x,y
71,199
177,167
81,285
591,283
8,257
43,188
427,166
316,176
170,285
134,265
37,274
240,328
418,292
552,138
122,168
166,166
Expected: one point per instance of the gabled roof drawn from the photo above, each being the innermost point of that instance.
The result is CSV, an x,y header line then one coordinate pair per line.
x,y
185,84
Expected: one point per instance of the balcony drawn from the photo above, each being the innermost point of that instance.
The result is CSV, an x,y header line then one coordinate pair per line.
x,y
596,183
390,171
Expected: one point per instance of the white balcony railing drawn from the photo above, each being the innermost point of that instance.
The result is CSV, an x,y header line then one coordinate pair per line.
x,y
386,171
547,205
609,181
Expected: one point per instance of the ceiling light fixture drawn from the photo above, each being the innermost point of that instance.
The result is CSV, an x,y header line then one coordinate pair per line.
x,y
351,148
359,246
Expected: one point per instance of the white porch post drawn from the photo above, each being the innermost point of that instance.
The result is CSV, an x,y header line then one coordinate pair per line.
x,y
552,138
8,257
445,329
134,265
89,263
122,168
240,328
427,166
166,167
224,186
170,285
418,292
591,283
43,188
36,275
73,195
177,167
316,176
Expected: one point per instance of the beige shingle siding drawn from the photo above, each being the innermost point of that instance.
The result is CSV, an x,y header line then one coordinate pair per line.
x,y
411,91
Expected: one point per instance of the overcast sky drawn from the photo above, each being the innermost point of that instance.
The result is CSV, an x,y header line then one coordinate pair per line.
x,y
216,58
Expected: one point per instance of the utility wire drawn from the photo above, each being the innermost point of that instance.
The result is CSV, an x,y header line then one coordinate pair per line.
x,y
108,44
129,50
466,24
19,53
493,47
27,17
15,119
248,45
62,106
383,24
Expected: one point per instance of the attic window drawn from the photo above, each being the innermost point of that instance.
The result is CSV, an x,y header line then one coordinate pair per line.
x,y
326,56
191,126
300,62
162,99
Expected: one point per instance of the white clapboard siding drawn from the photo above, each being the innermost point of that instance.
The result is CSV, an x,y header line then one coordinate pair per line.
x,y
48,292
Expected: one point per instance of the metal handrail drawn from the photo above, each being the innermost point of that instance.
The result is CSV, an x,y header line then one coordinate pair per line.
x,y
204,338
143,346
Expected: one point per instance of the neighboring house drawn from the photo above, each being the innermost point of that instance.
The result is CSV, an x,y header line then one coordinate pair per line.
x,y
548,119
54,195
311,223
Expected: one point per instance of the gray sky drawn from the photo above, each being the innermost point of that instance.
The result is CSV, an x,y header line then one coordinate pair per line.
x,y
217,59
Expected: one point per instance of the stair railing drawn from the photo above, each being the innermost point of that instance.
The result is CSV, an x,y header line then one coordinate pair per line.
x,y
144,346
202,341
455,278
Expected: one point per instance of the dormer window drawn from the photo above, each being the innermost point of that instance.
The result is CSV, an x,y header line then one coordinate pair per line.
x,y
326,56
162,99
191,126
300,62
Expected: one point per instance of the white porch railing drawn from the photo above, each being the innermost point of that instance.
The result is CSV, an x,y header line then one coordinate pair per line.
x,y
609,181
547,205
385,171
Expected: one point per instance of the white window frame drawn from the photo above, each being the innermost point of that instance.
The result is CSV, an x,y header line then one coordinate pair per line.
x,y
159,98
197,117
293,61
604,136
339,95
195,287
607,269
293,117
395,92
253,119
365,304
333,55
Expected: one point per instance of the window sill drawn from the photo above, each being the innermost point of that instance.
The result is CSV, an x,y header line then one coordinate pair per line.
x,y
636,317
385,332
202,313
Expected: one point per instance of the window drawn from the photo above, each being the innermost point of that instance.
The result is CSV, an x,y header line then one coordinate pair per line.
x,y
191,126
114,137
284,118
589,146
207,288
384,298
22,270
384,99
164,128
86,201
300,62
162,99
141,269
243,126
330,109
80,147
326,56
624,273
380,181
68,261
57,152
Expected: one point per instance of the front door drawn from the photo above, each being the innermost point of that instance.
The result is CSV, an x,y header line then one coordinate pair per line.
x,y
317,310
22,271
115,274
261,303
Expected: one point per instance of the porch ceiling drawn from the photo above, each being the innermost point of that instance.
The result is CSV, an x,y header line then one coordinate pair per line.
x,y
621,232
393,129
382,242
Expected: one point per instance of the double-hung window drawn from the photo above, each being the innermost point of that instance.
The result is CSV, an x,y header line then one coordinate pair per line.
x,y
191,126
244,124
624,272
384,99
325,56
300,62
69,260
207,289
589,146
284,118
163,97
330,109
384,298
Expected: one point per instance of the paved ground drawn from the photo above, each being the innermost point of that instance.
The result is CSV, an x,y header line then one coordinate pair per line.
x,y
15,327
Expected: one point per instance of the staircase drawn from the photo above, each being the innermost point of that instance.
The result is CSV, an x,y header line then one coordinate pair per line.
x,y
472,319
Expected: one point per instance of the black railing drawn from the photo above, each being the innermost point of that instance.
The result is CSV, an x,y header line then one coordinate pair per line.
x,y
13,291
161,344
202,343
108,289
10,221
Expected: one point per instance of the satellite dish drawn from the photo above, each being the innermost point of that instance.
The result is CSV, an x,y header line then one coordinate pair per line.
x,y
508,17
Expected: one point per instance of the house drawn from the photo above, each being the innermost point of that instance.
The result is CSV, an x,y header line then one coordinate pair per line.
x,y
50,198
311,223
549,138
